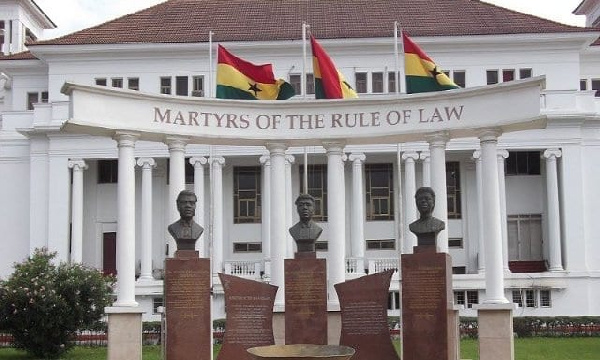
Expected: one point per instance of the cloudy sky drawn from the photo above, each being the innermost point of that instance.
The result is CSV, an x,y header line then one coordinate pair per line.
x,y
73,15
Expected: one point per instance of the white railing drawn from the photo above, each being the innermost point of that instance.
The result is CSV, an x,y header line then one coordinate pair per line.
x,y
247,269
383,264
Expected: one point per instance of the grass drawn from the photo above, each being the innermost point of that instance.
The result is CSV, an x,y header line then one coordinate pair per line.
x,y
525,349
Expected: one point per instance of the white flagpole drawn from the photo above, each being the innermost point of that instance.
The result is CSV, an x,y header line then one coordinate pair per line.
x,y
396,54
402,79
210,65
303,86
400,202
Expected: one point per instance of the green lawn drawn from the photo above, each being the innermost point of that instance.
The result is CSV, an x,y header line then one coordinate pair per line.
x,y
525,349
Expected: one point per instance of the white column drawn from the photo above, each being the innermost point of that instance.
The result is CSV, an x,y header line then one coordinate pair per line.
x,y
480,234
176,180
410,188
357,230
278,229
147,165
265,160
501,155
426,159
78,166
494,276
126,220
289,241
554,245
336,207
198,164
217,163
437,148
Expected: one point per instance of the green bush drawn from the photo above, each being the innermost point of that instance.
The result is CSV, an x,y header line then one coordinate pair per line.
x,y
43,305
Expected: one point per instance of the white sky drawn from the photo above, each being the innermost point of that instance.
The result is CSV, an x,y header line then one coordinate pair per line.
x,y
73,15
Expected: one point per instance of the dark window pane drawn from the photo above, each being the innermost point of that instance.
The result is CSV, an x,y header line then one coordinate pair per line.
x,y
108,171
361,82
492,77
181,85
525,73
460,78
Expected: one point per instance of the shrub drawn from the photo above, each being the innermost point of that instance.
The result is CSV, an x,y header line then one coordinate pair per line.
x,y
43,305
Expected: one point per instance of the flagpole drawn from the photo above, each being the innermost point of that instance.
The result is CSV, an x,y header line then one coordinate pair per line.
x,y
400,202
303,90
402,79
210,65
396,54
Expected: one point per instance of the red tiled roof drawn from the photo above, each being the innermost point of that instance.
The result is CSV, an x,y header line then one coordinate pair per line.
x,y
187,21
25,55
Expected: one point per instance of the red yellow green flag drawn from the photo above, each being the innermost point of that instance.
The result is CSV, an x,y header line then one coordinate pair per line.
x,y
240,79
329,82
422,74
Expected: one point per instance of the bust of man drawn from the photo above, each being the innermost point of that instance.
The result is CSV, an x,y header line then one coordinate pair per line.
x,y
427,227
186,231
305,232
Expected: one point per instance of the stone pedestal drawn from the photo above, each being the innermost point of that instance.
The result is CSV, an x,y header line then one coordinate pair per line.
x,y
305,301
364,303
495,331
124,333
427,305
249,308
187,306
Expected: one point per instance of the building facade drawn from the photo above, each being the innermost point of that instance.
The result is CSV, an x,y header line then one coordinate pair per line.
x,y
59,189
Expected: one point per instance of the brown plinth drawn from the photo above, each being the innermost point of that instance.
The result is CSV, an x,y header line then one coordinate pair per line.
x,y
305,301
187,306
249,311
426,304
364,303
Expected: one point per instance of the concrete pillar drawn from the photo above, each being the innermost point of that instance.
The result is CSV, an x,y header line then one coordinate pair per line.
x,y
217,163
278,224
437,149
410,207
503,154
78,166
265,160
289,211
147,165
198,164
554,245
176,146
357,231
126,220
425,157
336,205
480,234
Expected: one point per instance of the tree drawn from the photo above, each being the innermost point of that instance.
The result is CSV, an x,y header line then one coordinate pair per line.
x,y
43,305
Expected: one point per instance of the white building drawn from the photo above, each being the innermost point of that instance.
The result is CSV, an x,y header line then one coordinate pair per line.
x,y
59,190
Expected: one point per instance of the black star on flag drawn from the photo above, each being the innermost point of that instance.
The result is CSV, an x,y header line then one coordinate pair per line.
x,y
254,87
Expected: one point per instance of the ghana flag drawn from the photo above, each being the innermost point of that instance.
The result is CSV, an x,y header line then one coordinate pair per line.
x,y
422,74
329,82
240,79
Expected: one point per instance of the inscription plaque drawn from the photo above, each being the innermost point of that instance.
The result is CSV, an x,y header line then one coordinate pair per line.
x,y
305,301
249,311
363,303
426,305
187,306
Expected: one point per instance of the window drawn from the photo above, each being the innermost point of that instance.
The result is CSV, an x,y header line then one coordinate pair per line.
x,y
36,97
545,300
516,297
392,83
492,77
455,243
361,82
596,86
472,298
321,246
523,163
508,75
156,303
532,298
377,82
296,82
524,237
459,298
394,300
246,195
386,244
459,269
255,247
468,297
525,73
453,189
317,187
379,191
583,84
310,83
101,81
459,77
165,85
133,83
198,86
108,171
181,85
117,82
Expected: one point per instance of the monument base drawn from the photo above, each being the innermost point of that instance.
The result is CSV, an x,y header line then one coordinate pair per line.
x,y
334,327
124,333
495,331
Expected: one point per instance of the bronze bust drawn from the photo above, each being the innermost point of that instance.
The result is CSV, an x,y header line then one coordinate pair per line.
x,y
186,231
305,232
426,227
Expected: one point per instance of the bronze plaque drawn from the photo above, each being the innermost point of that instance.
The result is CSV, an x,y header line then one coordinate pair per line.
x,y
187,306
305,301
249,310
426,302
364,303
